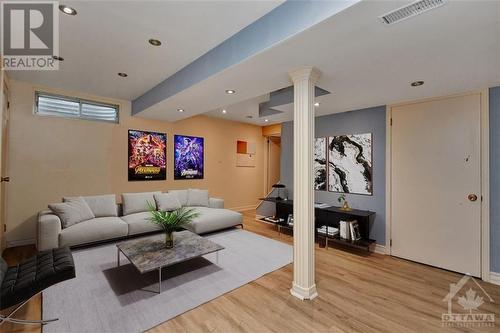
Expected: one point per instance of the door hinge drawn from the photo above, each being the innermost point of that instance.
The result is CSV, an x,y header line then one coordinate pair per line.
x,y
391,121
5,228
8,104
390,242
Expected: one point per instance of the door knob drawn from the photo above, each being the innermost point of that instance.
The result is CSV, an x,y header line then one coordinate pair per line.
x,y
5,179
472,197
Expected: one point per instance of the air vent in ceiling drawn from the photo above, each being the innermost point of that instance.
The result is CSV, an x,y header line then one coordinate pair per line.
x,y
411,10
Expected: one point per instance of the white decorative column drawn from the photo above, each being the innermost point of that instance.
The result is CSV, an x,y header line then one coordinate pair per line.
x,y
304,80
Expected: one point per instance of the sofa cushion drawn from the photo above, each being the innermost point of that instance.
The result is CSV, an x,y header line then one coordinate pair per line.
x,y
137,202
101,205
97,229
72,212
197,198
212,219
182,196
167,202
139,223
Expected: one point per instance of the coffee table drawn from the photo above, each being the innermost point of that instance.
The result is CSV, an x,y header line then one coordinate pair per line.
x,y
149,253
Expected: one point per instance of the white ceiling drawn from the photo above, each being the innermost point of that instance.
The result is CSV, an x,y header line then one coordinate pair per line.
x,y
363,62
107,37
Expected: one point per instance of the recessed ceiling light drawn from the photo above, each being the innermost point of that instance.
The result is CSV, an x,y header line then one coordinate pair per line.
x,y
154,42
57,58
230,91
180,110
266,120
67,10
316,104
224,111
417,83
122,74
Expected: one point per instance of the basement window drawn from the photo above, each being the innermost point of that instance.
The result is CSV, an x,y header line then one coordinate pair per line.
x,y
72,107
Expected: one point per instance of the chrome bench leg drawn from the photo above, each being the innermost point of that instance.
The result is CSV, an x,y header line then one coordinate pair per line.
x,y
8,318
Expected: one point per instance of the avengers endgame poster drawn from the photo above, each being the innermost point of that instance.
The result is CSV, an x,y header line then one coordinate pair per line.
x,y
188,157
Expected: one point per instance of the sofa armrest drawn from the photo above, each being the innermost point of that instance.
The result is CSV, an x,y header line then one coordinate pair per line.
x,y
49,228
215,203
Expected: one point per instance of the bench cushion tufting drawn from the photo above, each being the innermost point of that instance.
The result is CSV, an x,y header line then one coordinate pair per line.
x,y
25,280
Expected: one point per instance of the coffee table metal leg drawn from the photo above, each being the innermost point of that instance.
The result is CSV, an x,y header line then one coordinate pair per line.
x,y
159,280
118,257
217,257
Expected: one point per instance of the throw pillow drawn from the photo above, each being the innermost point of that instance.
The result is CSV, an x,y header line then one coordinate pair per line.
x,y
197,198
167,202
182,196
137,202
72,212
101,205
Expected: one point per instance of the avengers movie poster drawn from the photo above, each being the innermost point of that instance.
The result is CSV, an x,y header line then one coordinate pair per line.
x,y
188,157
147,155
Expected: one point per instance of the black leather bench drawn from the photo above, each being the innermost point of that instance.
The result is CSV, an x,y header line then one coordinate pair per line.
x,y
18,284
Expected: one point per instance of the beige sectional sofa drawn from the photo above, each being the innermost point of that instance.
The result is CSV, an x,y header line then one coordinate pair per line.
x,y
108,220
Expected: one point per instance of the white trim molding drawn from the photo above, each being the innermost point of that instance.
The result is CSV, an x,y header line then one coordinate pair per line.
x,y
244,208
380,249
388,178
20,242
494,278
485,185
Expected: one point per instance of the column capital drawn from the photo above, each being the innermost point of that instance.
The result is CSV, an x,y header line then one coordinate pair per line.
x,y
305,73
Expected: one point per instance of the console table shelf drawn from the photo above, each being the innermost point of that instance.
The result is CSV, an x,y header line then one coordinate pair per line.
x,y
330,216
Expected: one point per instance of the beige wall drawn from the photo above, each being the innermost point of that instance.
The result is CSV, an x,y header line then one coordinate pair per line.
x,y
52,157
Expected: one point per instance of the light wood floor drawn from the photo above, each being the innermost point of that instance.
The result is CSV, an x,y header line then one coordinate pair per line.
x,y
357,293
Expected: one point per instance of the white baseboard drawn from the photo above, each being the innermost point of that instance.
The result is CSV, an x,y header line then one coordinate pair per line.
x,y
495,278
21,242
377,248
244,208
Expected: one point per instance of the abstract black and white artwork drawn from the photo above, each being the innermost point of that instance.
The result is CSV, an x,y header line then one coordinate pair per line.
x,y
350,164
320,164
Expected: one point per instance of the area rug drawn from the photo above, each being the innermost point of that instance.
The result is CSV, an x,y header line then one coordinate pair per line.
x,y
105,298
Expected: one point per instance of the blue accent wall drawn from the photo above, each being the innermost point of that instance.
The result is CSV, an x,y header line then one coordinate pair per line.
x,y
495,179
371,120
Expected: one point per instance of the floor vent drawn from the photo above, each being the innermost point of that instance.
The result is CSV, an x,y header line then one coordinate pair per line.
x,y
411,10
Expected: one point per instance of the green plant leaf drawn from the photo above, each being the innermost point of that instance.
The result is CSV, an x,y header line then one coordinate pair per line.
x,y
171,221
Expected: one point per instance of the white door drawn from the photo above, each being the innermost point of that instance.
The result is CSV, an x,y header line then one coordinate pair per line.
x,y
436,177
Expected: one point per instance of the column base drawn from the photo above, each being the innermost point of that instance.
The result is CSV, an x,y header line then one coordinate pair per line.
x,y
304,293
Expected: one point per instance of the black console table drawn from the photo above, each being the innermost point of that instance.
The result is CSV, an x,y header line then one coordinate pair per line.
x,y
331,216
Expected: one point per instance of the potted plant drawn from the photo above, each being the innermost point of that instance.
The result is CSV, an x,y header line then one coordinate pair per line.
x,y
345,205
171,221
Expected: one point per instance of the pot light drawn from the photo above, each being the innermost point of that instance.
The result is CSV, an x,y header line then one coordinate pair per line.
x,y
180,110
122,74
57,58
266,120
417,83
224,111
67,10
230,91
154,42
316,104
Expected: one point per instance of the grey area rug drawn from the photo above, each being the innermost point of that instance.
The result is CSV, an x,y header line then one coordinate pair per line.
x,y
105,298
